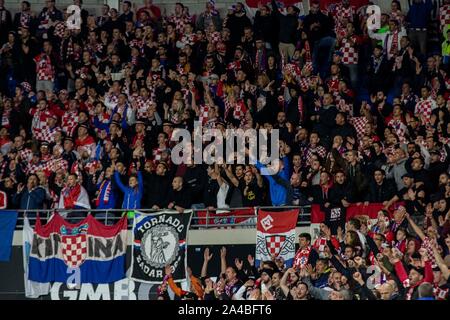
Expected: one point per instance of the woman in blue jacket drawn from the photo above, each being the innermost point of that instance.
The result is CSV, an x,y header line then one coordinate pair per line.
x,y
133,192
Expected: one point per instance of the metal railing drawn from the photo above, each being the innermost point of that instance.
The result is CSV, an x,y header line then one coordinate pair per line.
x,y
217,218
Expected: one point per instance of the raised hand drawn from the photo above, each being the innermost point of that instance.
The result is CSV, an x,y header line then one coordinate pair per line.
x,y
223,253
358,277
239,263
206,255
251,260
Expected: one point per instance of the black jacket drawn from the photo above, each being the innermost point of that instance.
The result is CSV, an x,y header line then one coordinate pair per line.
x,y
195,179
155,190
264,26
381,193
325,28
340,192
180,198
288,25
236,25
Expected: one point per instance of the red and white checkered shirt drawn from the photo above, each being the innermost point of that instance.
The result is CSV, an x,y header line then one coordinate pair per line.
x,y
400,129
304,83
189,39
54,165
340,14
349,51
25,19
180,22
69,122
310,151
39,122
359,123
425,107
137,43
239,109
33,167
60,29
444,15
44,68
49,134
25,154
214,37
142,105
428,245
204,111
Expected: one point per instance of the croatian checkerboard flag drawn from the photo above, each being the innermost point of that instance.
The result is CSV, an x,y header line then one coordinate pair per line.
x,y
275,235
86,252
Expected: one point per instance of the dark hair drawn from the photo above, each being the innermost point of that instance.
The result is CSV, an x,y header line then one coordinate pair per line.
x,y
356,223
350,246
324,260
305,235
398,4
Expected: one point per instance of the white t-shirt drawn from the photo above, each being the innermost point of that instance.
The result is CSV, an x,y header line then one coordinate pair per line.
x,y
222,195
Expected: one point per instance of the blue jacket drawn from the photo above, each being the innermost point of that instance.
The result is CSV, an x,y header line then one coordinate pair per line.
x,y
419,14
131,198
278,193
30,200
112,196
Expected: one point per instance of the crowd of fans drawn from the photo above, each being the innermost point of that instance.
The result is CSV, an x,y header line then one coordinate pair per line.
x,y
384,262
87,117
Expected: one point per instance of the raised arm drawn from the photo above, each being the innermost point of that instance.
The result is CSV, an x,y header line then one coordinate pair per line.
x,y
206,258
231,176
119,182
223,260
415,227
140,182
441,263
259,179
283,281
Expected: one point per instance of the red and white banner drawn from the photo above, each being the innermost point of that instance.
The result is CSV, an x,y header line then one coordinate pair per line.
x,y
224,216
371,210
275,235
